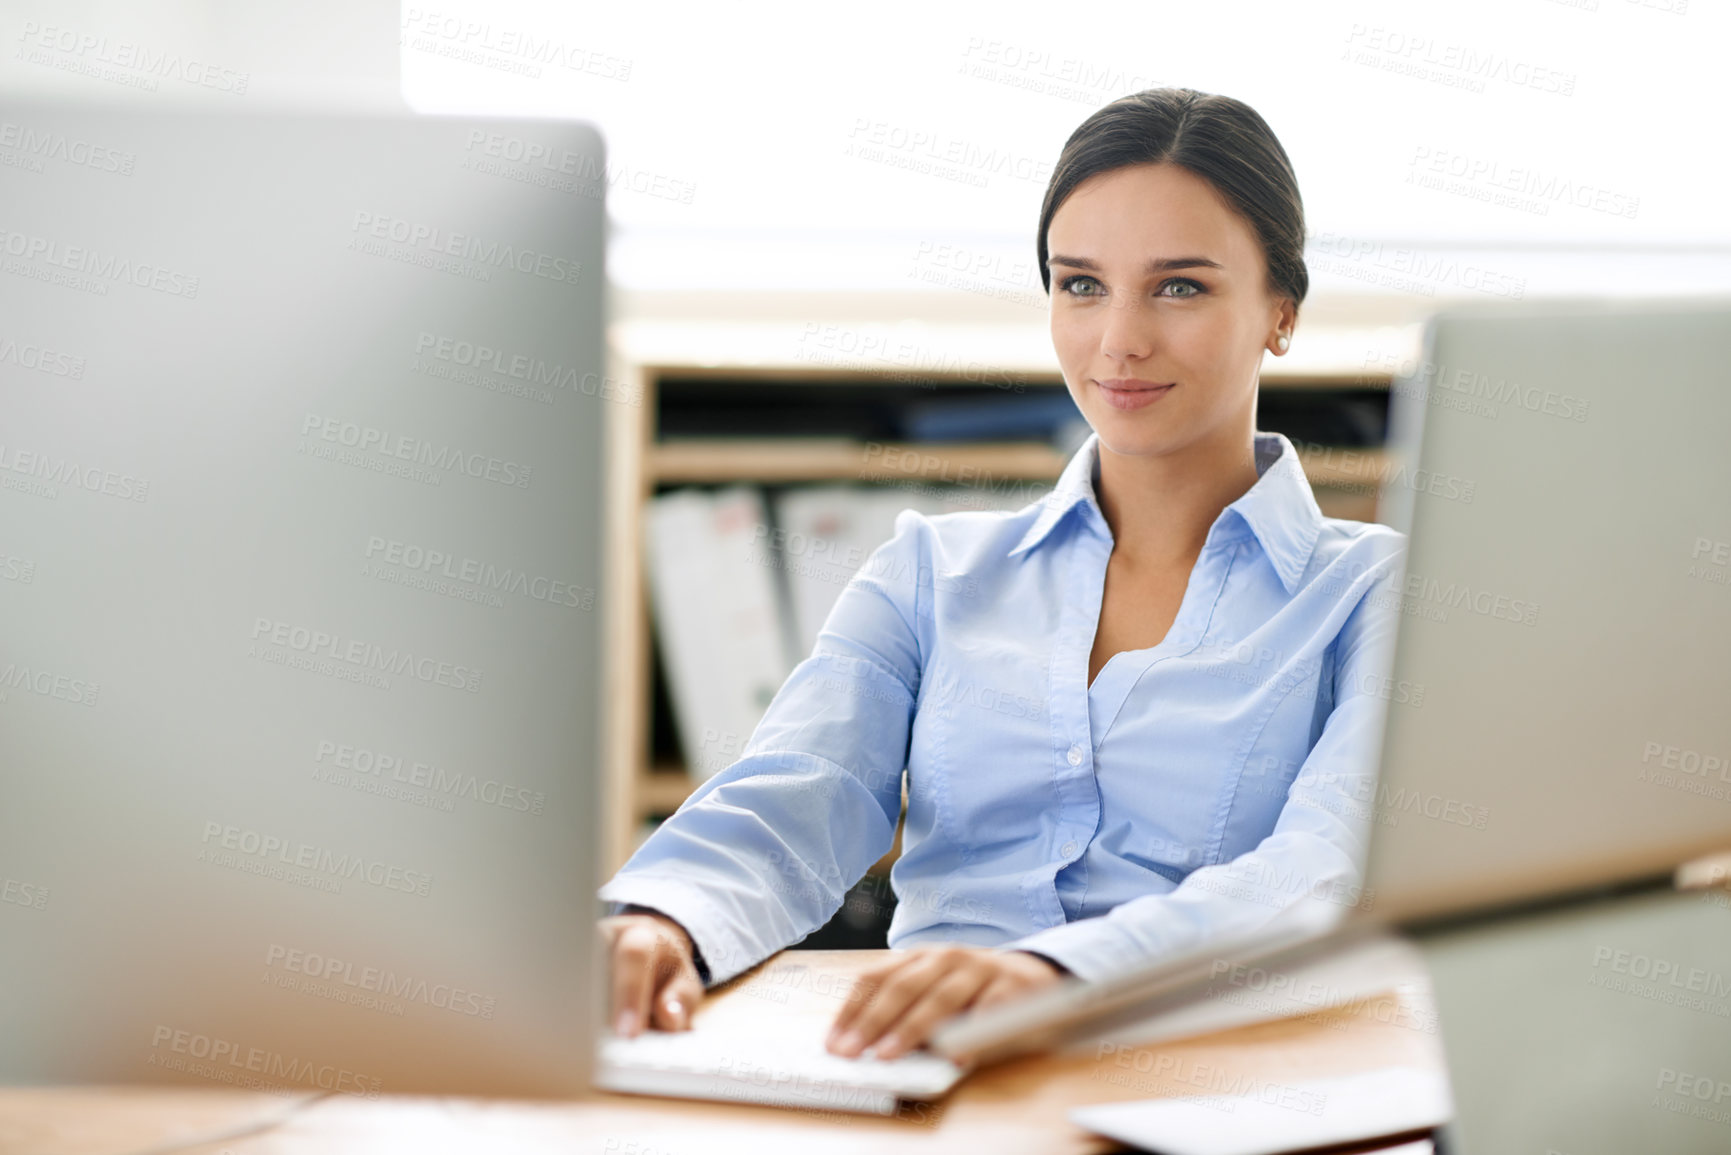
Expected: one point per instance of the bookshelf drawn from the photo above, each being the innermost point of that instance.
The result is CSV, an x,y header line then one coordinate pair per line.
x,y
657,442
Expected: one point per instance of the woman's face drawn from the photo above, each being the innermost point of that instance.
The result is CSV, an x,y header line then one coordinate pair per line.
x,y
1160,311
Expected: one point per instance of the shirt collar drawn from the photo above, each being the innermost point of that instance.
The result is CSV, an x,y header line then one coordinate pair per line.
x,y
1279,510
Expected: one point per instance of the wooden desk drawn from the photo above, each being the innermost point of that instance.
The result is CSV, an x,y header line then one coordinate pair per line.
x,y
1015,1107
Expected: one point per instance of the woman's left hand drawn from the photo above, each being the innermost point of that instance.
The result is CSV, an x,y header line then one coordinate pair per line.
x,y
896,1003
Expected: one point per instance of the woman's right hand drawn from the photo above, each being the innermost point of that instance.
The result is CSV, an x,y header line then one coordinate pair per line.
x,y
655,981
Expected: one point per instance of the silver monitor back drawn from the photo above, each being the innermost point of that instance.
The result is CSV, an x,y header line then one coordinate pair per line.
x,y
300,511
1591,1027
1557,715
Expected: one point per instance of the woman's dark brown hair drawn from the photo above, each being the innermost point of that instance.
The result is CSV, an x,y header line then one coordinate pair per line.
x,y
1221,140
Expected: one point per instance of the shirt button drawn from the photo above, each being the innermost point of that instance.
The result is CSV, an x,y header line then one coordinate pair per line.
x,y
1075,755
1067,849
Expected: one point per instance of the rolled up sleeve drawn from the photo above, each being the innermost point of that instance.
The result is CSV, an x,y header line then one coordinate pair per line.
x,y
763,853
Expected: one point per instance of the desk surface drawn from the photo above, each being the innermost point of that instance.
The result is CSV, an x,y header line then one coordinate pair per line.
x,y
1020,1106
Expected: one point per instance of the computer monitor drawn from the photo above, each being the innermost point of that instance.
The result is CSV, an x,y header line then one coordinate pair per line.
x,y
1557,716
300,518
1565,743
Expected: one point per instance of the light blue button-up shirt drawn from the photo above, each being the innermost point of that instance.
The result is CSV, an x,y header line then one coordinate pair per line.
x,y
1216,783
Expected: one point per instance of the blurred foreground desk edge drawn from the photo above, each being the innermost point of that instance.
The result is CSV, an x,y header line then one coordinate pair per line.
x,y
1020,1106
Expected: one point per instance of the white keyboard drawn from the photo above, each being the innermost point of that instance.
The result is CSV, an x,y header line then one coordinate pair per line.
x,y
786,1071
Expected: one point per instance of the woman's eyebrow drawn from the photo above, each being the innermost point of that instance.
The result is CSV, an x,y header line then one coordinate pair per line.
x,y
1157,265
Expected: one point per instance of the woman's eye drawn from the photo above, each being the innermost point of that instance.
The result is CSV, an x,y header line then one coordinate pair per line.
x,y
1178,287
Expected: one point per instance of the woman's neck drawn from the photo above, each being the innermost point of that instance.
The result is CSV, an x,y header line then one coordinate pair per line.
x,y
1160,507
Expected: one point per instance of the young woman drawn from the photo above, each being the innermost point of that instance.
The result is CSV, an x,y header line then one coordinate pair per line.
x,y
1139,712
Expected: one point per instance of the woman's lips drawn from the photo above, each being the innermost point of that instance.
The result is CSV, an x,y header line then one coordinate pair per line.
x,y
1132,393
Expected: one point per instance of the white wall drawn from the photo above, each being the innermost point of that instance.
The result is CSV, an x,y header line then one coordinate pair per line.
x,y
260,52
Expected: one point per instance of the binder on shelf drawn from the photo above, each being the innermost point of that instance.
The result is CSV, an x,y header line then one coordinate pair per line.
x,y
826,533
717,618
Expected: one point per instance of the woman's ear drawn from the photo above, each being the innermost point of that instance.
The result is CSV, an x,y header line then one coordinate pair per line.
x,y
1285,320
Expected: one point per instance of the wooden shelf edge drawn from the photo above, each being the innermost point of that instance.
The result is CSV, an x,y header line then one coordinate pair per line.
x,y
767,460
771,460
662,788
993,377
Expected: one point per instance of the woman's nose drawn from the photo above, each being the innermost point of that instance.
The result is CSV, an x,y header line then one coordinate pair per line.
x,y
1128,332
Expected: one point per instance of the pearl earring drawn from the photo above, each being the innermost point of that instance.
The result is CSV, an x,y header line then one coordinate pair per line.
x,y
1283,342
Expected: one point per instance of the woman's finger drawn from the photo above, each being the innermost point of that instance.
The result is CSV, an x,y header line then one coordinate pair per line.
x,y
676,1000
1001,989
633,959
865,985
892,997
949,994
